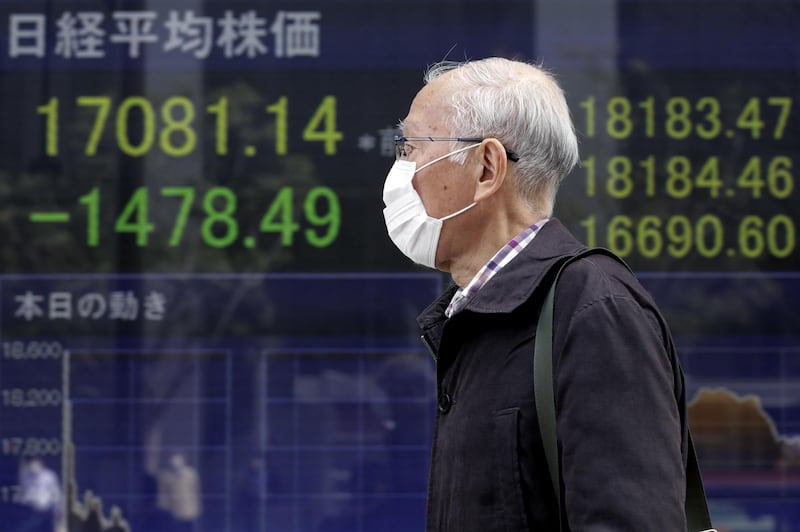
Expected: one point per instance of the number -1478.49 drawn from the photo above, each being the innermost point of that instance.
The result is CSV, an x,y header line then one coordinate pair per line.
x,y
219,227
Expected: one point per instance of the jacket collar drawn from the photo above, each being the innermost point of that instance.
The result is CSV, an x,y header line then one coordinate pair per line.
x,y
515,283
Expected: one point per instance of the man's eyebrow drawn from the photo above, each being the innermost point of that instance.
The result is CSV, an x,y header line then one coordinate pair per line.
x,y
401,125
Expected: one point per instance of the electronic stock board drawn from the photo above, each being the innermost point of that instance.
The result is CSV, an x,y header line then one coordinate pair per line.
x,y
203,324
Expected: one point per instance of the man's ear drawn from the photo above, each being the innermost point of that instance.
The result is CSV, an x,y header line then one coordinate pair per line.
x,y
495,167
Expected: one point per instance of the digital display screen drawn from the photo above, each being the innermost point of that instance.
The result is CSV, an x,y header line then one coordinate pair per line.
x,y
203,323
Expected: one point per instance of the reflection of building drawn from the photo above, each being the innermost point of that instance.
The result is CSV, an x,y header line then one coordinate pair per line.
x,y
734,433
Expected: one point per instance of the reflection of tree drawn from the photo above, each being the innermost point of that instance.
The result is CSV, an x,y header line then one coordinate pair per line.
x,y
43,247
256,181
56,184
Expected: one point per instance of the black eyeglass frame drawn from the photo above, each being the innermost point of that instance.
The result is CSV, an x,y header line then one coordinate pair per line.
x,y
399,142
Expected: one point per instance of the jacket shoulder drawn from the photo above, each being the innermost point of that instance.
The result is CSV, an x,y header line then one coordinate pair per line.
x,y
598,275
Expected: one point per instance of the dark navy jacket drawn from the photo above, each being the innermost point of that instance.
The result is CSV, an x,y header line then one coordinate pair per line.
x,y
619,392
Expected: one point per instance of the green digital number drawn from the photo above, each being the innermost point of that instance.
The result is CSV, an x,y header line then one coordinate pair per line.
x,y
92,202
186,194
133,218
279,218
219,204
331,218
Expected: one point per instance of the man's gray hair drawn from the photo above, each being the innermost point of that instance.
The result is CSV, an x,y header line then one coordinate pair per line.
x,y
523,107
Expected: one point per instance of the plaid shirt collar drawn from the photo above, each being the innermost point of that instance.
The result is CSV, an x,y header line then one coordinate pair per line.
x,y
495,264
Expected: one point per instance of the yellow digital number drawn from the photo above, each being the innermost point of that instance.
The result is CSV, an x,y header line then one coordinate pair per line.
x,y
322,126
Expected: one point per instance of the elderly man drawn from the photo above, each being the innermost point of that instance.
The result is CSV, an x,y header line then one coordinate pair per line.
x,y
482,152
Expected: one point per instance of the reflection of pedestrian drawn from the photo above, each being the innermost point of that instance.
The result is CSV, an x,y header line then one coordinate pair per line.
x,y
40,493
179,492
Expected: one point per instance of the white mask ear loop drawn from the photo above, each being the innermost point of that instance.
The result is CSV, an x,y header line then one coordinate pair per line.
x,y
465,209
445,156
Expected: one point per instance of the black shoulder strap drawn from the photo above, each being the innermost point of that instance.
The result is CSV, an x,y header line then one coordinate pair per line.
x,y
696,509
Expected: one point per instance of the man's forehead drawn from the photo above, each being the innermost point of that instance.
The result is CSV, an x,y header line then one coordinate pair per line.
x,y
427,108
407,124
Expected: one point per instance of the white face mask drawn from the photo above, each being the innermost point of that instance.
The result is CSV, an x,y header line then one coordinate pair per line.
x,y
411,229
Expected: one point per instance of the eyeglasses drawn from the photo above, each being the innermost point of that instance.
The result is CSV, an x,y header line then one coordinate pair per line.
x,y
401,150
